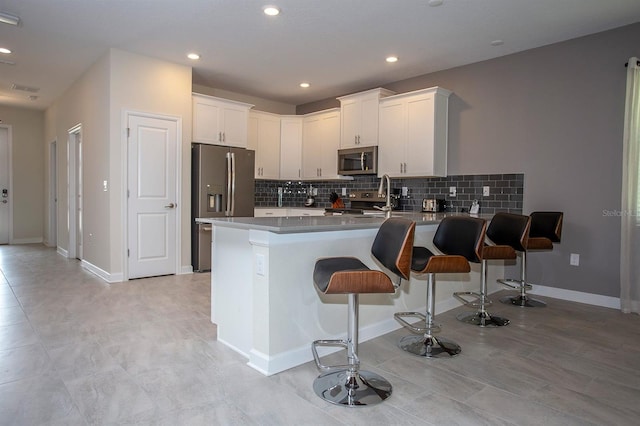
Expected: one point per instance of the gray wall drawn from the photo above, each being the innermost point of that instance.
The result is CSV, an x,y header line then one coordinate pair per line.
x,y
555,114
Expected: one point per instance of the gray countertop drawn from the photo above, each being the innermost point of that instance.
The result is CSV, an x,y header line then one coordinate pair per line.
x,y
304,224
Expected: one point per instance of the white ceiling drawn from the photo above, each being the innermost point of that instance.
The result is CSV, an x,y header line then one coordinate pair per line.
x,y
338,46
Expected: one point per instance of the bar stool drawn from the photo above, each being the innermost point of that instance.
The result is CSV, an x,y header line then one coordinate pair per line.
x,y
509,233
460,239
346,384
546,229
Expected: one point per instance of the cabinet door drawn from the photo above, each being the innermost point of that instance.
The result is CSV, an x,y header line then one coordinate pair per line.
x,y
420,132
234,126
291,148
311,148
206,121
329,142
351,121
368,135
392,138
269,147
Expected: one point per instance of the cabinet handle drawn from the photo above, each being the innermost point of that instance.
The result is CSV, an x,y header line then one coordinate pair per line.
x,y
219,136
298,172
355,139
400,167
224,137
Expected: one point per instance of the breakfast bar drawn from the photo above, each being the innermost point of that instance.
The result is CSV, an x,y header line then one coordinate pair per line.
x,y
263,299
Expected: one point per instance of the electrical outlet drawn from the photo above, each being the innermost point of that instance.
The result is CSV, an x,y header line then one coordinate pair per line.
x,y
485,191
260,265
452,191
574,260
105,185
344,192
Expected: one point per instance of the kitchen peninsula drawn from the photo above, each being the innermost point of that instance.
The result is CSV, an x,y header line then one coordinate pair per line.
x,y
263,299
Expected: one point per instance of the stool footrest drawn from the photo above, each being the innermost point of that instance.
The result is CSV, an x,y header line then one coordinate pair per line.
x,y
429,329
515,284
336,343
477,302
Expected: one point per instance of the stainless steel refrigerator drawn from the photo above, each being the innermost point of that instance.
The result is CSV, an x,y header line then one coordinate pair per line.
x,y
222,186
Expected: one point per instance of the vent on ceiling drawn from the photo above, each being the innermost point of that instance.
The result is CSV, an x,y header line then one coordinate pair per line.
x,y
24,88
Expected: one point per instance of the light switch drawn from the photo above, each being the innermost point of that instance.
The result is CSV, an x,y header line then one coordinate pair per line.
x,y
452,191
260,265
105,186
344,192
485,191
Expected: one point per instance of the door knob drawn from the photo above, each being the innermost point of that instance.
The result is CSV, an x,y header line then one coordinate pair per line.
x,y
170,206
4,201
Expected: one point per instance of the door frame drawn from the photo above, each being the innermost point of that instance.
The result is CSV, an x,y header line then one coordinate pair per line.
x,y
126,114
10,183
73,163
52,239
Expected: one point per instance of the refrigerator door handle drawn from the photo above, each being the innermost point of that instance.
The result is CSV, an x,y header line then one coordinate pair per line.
x,y
229,196
233,183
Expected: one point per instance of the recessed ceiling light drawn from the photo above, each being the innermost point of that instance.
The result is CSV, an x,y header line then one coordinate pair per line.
x,y
497,42
391,59
304,85
271,10
193,56
434,3
4,50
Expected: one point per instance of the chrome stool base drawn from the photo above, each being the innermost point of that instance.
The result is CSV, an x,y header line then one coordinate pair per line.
x,y
523,301
365,388
482,319
429,347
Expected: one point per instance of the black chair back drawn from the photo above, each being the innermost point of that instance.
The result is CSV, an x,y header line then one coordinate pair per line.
x,y
393,245
510,229
462,236
546,225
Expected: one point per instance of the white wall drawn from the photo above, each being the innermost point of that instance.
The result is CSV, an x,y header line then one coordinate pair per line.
x,y
144,84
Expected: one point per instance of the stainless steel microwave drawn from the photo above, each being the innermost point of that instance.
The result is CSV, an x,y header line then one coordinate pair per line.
x,y
358,161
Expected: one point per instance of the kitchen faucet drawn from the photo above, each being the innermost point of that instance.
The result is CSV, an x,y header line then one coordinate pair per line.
x,y
387,208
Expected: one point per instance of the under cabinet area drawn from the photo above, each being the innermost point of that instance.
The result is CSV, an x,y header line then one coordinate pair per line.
x,y
359,118
264,139
220,121
413,134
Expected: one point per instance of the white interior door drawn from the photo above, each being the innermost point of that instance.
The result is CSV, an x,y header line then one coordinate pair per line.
x,y
152,196
79,233
5,205
74,192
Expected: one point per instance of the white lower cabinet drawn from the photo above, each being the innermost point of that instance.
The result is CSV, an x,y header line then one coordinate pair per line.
x,y
413,134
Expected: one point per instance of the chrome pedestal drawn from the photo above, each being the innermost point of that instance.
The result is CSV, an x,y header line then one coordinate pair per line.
x,y
346,384
427,345
522,300
481,317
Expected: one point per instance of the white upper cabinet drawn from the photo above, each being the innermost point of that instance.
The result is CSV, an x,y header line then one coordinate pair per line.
x,y
359,118
291,147
220,121
413,134
264,138
320,142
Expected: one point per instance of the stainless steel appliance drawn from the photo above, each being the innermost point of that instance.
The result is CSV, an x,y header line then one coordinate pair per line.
x,y
432,205
222,182
358,161
369,200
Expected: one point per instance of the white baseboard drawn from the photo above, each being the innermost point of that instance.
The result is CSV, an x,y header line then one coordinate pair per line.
x,y
35,240
62,252
576,296
188,269
106,276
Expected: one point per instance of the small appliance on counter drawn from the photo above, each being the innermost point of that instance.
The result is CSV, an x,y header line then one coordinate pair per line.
x,y
433,205
369,200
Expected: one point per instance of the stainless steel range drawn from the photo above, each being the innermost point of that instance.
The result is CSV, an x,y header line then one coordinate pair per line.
x,y
369,200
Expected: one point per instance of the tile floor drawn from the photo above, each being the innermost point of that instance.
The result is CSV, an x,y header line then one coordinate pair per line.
x,y
75,350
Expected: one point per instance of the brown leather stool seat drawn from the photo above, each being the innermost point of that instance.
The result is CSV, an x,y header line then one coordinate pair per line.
x,y
347,384
508,232
460,239
546,229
